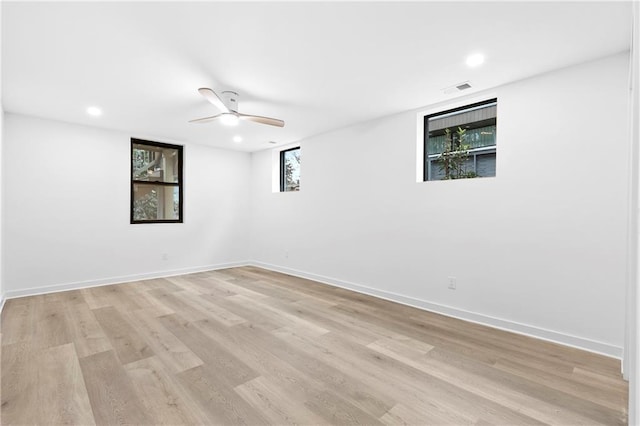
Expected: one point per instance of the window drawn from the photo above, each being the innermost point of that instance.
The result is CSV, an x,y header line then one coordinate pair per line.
x,y
156,182
461,143
290,170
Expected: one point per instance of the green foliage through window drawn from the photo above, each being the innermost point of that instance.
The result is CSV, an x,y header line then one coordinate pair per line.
x,y
290,170
461,143
454,156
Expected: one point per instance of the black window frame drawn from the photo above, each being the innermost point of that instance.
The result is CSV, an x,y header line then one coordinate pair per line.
x,y
178,184
425,156
282,168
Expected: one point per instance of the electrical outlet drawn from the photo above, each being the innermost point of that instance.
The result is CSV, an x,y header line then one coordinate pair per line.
x,y
452,283
165,256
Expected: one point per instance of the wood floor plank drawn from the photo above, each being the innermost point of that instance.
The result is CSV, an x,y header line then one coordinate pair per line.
x,y
230,369
94,299
435,335
293,383
127,343
18,321
269,290
593,378
240,308
304,382
483,340
113,398
474,378
221,403
164,284
598,395
19,384
67,297
116,296
308,288
284,317
250,346
62,395
273,403
86,332
164,344
226,285
176,304
164,399
567,404
210,309
52,328
338,412
199,285
313,309
146,301
401,414
408,353
336,380
402,383
209,285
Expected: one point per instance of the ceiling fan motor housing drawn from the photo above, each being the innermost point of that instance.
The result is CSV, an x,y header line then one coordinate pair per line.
x,y
227,104
230,100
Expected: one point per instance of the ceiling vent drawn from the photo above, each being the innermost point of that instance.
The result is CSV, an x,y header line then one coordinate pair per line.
x,y
457,88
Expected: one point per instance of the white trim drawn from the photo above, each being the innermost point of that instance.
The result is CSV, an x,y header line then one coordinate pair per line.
x,y
499,323
116,280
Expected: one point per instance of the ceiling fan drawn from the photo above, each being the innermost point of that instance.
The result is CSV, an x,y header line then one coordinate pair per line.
x,y
228,104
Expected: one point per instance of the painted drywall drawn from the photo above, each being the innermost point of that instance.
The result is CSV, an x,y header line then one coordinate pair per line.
x,y
540,249
632,348
2,298
66,213
1,181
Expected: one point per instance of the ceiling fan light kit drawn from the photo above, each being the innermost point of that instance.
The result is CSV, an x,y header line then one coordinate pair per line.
x,y
228,104
229,119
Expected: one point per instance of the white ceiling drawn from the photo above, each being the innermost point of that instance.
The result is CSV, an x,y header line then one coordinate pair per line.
x,y
318,66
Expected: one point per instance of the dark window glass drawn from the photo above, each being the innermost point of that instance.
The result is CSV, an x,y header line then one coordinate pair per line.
x,y
290,170
156,182
461,143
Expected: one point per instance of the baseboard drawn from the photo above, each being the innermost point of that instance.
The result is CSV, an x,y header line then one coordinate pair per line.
x,y
116,280
499,323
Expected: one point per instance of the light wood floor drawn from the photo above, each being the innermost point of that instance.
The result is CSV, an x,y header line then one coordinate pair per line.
x,y
249,346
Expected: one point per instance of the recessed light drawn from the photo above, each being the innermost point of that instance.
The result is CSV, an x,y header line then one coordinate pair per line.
x,y
237,139
95,111
475,59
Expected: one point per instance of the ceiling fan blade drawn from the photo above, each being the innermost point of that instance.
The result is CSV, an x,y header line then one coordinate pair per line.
x,y
213,97
262,120
205,119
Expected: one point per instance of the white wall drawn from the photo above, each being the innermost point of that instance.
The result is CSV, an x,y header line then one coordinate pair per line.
x,y
1,180
540,249
2,295
632,353
66,212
